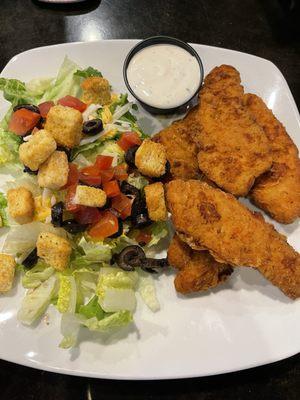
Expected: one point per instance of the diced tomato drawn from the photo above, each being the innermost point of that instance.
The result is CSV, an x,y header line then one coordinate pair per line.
x,y
23,121
120,172
143,237
107,226
111,188
90,175
45,107
129,139
87,215
73,102
107,175
122,204
73,176
104,162
69,200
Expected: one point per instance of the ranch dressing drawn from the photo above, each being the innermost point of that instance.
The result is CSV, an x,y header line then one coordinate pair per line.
x,y
164,75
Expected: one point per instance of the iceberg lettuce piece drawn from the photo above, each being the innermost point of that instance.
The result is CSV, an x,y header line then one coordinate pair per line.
x,y
115,289
96,252
115,320
147,291
38,274
36,301
67,294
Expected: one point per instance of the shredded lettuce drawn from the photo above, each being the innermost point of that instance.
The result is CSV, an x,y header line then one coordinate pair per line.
x,y
146,289
36,301
115,320
66,302
38,274
3,215
88,72
90,148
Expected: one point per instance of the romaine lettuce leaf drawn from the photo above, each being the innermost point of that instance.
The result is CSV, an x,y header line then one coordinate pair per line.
x,y
9,147
115,320
36,301
146,289
159,230
69,328
92,309
3,215
66,302
87,72
38,274
137,181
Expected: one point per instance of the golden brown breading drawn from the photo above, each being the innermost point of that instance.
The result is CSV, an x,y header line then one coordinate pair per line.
x,y
96,90
198,269
277,191
232,233
233,149
180,148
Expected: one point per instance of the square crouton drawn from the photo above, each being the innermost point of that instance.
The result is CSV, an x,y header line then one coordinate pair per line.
x,y
89,196
36,151
150,159
20,205
96,90
65,125
7,272
53,174
54,250
155,200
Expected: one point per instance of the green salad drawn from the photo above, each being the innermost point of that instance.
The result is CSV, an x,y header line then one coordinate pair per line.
x,y
80,207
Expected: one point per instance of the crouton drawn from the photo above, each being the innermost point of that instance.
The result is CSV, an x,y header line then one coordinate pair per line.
x,y
54,250
53,174
96,90
20,205
36,151
7,272
65,125
150,159
89,196
155,200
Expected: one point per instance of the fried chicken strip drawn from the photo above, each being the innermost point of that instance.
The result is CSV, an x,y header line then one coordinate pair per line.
x,y
277,191
233,234
234,150
180,148
198,269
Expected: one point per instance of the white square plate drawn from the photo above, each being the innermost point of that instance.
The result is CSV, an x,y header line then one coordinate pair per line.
x,y
243,324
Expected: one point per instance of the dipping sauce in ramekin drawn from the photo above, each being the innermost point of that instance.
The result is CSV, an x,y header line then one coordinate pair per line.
x,y
163,73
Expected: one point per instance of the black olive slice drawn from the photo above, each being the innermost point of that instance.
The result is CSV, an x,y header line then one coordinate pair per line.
x,y
73,227
92,127
31,259
57,214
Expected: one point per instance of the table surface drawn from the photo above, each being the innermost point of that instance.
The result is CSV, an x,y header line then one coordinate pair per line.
x,y
261,27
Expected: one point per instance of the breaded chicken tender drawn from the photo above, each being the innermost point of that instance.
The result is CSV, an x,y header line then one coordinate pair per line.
x,y
277,191
180,148
198,269
234,150
233,234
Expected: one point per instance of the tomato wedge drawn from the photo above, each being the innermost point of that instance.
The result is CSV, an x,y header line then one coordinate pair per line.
x,y
73,176
111,188
87,215
107,175
45,107
143,237
120,172
73,102
104,162
129,139
23,121
90,175
107,226
69,200
122,204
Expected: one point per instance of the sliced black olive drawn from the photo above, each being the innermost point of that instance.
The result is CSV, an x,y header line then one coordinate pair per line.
x,y
130,257
66,150
120,230
130,156
141,220
92,127
31,259
138,206
30,107
29,171
72,226
57,214
129,189
148,264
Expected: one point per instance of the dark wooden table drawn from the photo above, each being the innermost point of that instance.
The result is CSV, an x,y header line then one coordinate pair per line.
x,y
261,27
